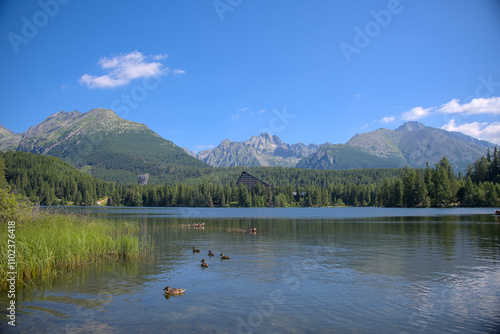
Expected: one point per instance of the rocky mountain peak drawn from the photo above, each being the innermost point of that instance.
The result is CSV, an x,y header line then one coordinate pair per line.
x,y
262,150
102,113
411,126
5,132
264,140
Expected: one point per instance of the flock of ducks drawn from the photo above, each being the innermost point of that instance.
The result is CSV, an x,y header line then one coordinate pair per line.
x,y
197,225
251,230
175,292
201,226
210,253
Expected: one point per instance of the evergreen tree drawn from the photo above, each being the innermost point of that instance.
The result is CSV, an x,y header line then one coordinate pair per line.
x,y
495,166
443,192
429,184
3,180
78,198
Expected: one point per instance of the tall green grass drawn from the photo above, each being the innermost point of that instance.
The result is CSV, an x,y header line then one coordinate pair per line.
x,y
49,245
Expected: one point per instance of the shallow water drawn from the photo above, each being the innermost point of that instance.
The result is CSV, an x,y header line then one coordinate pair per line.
x,y
346,270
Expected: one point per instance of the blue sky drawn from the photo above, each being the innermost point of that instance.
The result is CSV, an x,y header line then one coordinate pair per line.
x,y
197,72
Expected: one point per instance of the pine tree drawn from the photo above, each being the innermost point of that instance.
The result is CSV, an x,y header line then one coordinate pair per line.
x,y
428,177
495,166
223,199
78,198
420,191
443,192
398,192
3,180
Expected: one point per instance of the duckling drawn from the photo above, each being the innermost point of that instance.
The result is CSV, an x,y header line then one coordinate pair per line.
x,y
254,230
224,257
204,264
195,250
169,291
210,253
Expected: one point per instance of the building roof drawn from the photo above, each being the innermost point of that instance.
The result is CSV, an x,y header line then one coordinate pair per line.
x,y
250,181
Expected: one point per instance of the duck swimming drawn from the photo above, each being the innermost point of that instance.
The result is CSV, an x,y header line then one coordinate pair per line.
x,y
204,264
169,291
210,253
195,250
224,257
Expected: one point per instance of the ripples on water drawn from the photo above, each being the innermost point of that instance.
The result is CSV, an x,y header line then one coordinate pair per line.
x,y
356,274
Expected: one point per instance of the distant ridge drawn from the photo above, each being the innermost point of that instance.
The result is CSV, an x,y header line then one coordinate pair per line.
x,y
8,139
263,150
101,143
412,144
416,144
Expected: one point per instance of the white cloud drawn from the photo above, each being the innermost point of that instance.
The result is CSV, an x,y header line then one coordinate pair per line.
x,y
124,68
388,119
245,110
486,131
178,72
416,113
489,105
384,120
160,56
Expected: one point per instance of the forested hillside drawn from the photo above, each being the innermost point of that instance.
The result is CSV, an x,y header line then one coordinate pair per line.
x,y
439,186
52,182
105,146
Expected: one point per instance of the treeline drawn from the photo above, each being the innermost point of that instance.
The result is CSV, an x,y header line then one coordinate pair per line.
x,y
217,195
439,187
52,182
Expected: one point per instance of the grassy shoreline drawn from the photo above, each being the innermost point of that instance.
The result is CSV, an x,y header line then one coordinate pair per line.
x,y
49,245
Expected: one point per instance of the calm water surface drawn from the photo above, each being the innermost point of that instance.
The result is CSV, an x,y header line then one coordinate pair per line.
x,y
343,270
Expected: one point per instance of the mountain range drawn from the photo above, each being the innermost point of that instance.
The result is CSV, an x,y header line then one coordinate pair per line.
x,y
264,150
412,144
102,144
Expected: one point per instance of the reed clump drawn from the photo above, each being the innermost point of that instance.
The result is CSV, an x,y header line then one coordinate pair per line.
x,y
49,245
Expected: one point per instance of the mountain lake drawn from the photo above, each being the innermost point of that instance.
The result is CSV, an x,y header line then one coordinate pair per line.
x,y
306,270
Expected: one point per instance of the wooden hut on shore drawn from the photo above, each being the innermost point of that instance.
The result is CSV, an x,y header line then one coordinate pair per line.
x,y
251,181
